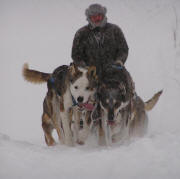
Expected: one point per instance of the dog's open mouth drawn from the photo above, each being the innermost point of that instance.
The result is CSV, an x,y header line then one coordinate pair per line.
x,y
110,122
87,106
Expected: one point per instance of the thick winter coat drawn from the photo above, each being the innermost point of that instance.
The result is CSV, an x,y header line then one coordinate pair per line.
x,y
99,46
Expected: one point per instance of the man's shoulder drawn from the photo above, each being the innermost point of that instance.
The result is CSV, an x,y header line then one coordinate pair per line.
x,y
82,30
113,26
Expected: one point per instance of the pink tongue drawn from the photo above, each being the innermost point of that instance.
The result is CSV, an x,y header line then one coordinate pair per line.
x,y
110,122
88,106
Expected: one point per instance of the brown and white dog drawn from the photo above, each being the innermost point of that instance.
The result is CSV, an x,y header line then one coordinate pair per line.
x,y
81,113
67,86
123,113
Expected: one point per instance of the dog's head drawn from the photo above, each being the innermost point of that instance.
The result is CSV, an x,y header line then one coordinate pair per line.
x,y
114,92
112,100
82,83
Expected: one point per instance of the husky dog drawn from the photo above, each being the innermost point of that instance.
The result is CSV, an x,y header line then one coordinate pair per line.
x,y
81,113
67,86
123,113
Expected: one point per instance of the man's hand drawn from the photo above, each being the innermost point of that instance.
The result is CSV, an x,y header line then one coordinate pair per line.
x,y
118,66
119,62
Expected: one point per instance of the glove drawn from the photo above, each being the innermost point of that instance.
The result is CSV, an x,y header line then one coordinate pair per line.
x,y
117,66
119,62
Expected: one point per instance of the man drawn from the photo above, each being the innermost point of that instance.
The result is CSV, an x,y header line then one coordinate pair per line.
x,y
99,43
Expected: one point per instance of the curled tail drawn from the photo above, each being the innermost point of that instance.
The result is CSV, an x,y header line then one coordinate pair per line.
x,y
34,76
151,103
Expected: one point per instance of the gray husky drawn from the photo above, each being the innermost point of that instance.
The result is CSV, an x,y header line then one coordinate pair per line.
x,y
123,113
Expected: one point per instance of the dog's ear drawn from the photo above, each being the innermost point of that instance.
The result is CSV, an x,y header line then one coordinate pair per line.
x,y
122,88
92,72
73,69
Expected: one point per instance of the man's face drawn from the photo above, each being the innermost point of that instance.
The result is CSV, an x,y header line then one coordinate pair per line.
x,y
97,18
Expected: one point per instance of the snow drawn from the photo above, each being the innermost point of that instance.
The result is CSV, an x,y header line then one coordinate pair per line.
x,y
41,33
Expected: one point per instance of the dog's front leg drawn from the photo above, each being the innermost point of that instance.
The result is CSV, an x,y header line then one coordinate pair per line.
x,y
57,121
105,136
122,135
67,129
75,123
108,134
65,105
101,133
83,133
56,118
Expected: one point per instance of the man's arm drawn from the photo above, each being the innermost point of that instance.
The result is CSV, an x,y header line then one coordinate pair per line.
x,y
122,47
78,50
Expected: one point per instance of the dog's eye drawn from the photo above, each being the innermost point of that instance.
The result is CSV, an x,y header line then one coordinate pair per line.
x,y
87,88
76,87
117,104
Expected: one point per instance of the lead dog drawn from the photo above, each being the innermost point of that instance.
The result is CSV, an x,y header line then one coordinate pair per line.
x,y
67,86
123,113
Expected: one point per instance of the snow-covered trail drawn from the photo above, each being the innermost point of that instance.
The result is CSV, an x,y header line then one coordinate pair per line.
x,y
41,33
149,157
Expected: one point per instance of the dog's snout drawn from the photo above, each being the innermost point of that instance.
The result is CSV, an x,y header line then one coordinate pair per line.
x,y
80,99
110,116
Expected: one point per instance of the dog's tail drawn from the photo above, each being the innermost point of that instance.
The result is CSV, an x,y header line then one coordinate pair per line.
x,y
151,103
34,76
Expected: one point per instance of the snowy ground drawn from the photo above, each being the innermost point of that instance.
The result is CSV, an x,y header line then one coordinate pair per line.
x,y
41,33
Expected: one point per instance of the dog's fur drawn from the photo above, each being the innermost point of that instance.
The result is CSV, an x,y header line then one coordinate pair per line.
x,y
123,112
63,83
81,121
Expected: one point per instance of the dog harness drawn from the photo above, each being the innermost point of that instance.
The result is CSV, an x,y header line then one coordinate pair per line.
x,y
52,83
74,101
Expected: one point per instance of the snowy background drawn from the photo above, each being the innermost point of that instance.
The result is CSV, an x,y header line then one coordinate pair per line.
x,y
41,32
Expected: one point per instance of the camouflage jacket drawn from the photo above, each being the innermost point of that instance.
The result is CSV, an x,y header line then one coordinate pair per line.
x,y
99,46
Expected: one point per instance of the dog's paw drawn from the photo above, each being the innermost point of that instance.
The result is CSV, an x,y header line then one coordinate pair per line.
x,y
69,143
52,143
80,142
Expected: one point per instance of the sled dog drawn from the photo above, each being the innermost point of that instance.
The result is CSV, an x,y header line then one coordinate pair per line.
x,y
123,113
67,86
